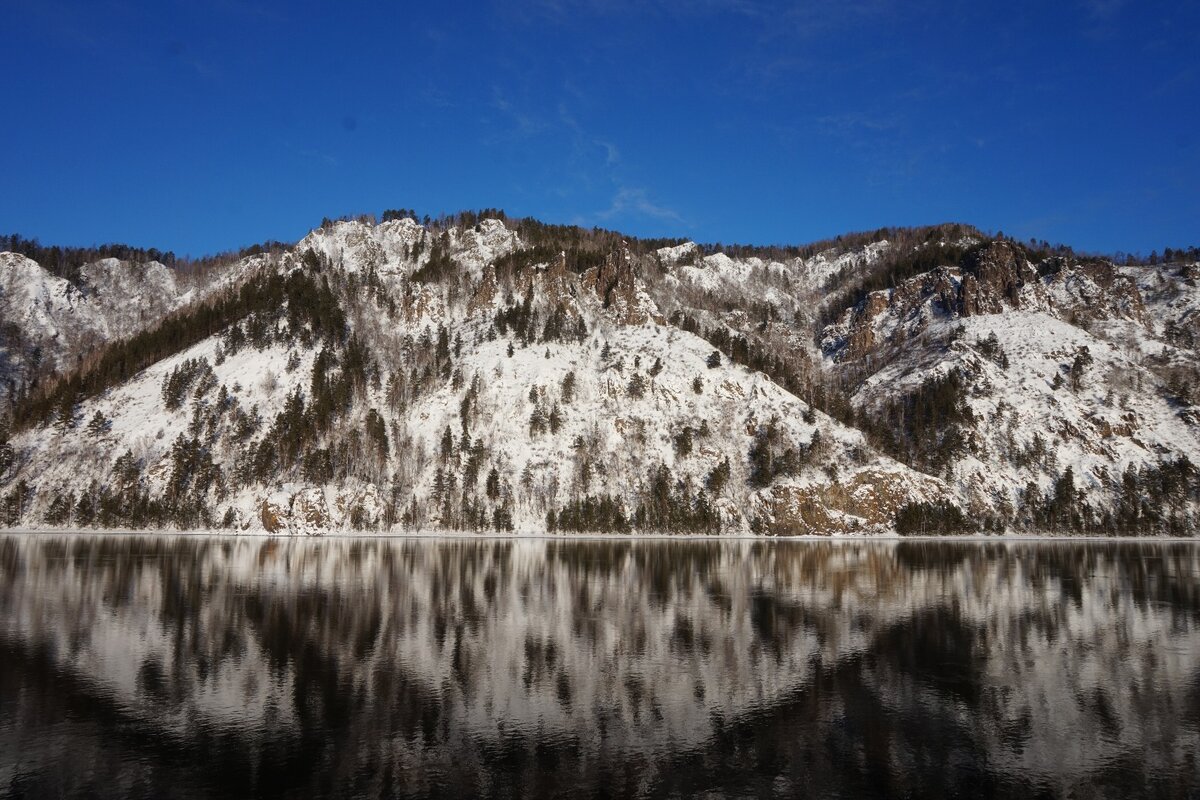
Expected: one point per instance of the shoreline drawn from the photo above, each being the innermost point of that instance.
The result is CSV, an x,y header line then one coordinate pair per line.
x,y
981,538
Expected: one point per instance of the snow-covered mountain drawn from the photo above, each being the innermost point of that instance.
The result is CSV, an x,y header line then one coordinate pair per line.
x,y
487,373
51,324
1031,370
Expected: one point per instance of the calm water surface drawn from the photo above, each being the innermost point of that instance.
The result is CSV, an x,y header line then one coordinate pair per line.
x,y
191,667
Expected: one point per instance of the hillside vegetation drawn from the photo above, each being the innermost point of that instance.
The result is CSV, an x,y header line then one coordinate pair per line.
x,y
483,373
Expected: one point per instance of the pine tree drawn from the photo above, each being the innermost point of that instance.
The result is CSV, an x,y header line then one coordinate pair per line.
x,y
98,425
8,456
61,509
682,442
68,409
719,476
492,487
1083,359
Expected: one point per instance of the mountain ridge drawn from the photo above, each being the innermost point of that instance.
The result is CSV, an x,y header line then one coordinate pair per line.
x,y
399,375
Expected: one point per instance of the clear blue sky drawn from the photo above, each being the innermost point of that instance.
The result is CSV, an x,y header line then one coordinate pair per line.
x,y
203,125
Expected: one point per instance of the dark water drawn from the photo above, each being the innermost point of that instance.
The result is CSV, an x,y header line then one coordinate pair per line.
x,y
177,667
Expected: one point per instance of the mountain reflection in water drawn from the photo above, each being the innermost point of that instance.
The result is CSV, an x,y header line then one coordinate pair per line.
x,y
188,666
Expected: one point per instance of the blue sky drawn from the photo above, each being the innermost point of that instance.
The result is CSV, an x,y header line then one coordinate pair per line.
x,y
205,125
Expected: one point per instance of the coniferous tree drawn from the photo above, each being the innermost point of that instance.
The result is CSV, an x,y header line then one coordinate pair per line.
x,y
98,425
1083,360
68,409
8,456
718,477
61,509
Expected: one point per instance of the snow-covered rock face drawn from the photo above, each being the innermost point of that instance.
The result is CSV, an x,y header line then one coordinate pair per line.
x,y
483,391
1114,419
999,280
621,293
397,248
40,304
56,322
113,299
1076,366
720,272
824,266
622,415
681,253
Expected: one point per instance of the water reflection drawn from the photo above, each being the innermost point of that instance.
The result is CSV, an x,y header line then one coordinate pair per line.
x,y
207,666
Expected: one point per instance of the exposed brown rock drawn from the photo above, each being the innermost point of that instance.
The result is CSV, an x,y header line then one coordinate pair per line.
x,y
417,303
861,339
485,293
558,286
555,286
868,500
994,280
272,516
615,284
309,510
1114,294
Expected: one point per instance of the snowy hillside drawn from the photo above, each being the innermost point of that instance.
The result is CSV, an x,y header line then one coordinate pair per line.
x,y
1076,379
52,324
489,374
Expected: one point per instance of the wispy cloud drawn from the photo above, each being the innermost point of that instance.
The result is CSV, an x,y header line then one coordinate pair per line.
x,y
524,125
816,18
314,156
612,154
584,163
855,122
807,16
179,51
251,8
1178,83
634,200
584,141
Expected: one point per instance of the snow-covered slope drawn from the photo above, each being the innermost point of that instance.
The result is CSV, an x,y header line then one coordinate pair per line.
x,y
1075,368
1025,430
398,376
52,323
592,413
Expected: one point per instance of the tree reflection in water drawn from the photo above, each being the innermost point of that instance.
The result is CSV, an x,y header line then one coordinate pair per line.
x,y
188,666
